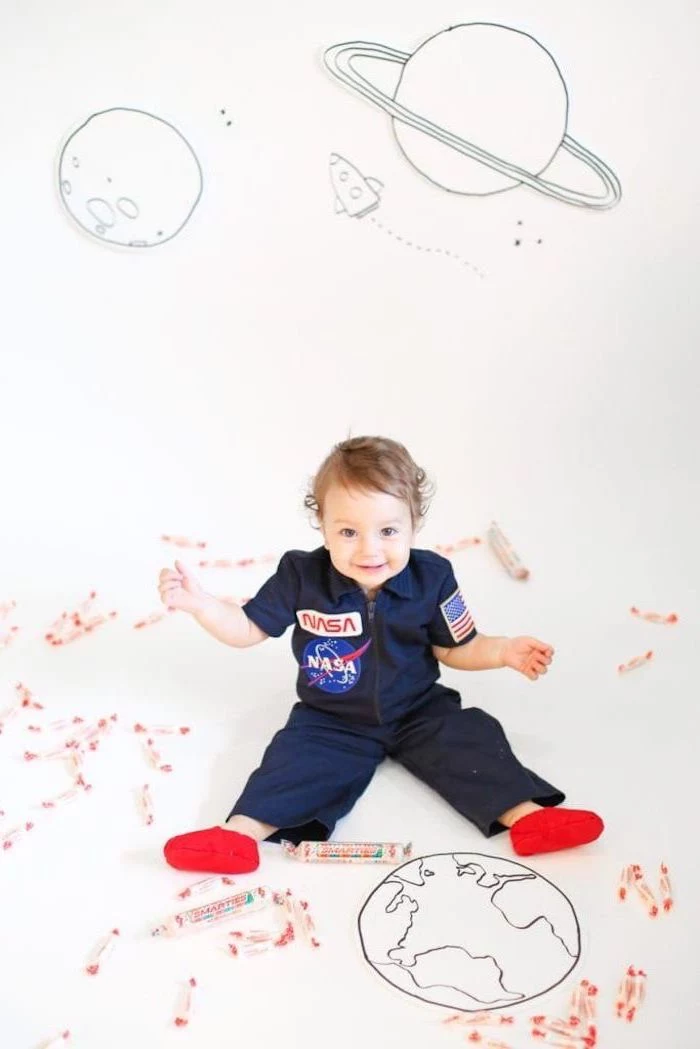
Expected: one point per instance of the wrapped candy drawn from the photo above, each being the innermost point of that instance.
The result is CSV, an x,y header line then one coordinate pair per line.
x,y
184,1008
505,553
655,617
59,1042
214,913
204,885
184,542
348,851
101,952
638,661
162,730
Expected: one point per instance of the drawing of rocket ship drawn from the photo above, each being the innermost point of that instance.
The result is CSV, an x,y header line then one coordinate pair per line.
x,y
354,194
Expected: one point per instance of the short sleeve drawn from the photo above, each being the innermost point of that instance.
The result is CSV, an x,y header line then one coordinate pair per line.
x,y
452,623
274,606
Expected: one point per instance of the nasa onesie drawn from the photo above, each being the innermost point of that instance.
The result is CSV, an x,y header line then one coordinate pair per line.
x,y
368,688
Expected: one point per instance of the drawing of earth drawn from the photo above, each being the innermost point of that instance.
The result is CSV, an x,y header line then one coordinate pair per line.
x,y
129,178
469,931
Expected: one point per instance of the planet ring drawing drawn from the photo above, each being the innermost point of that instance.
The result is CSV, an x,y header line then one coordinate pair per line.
x,y
450,58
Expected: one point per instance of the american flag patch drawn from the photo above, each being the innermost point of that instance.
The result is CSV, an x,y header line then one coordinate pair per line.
x,y
457,616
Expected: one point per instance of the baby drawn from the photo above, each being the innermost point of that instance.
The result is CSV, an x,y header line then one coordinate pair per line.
x,y
373,618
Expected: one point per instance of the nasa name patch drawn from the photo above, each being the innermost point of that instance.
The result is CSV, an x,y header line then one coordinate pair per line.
x,y
325,624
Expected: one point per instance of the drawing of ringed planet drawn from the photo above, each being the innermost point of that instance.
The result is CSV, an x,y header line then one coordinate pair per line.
x,y
129,177
478,109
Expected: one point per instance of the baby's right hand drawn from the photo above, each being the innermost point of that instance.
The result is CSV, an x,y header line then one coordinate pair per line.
x,y
179,589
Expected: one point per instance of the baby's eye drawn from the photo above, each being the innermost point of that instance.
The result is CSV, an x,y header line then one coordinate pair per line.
x,y
347,533
389,531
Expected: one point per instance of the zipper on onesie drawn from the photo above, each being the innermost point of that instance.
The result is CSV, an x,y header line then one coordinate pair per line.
x,y
371,605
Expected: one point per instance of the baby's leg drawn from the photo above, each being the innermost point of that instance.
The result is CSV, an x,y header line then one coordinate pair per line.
x,y
465,756
253,828
311,774
511,816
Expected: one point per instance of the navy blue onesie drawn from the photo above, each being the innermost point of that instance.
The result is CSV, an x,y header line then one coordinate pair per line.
x,y
368,687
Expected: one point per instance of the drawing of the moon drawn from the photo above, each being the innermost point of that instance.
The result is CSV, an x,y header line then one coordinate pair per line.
x,y
129,178
478,109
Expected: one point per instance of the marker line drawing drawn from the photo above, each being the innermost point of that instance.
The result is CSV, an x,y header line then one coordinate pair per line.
x,y
479,108
469,931
129,178
357,196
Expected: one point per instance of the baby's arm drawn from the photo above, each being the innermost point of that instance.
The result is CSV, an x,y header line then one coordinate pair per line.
x,y
524,654
481,653
224,620
227,622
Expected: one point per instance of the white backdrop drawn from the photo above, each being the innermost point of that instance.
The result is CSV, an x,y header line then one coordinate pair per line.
x,y
194,386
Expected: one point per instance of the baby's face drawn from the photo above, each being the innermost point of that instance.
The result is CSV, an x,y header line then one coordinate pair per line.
x,y
368,534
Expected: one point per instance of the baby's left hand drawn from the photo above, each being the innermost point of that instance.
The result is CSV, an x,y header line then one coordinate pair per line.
x,y
528,655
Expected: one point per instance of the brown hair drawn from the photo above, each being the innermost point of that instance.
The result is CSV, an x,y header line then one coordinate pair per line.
x,y
372,464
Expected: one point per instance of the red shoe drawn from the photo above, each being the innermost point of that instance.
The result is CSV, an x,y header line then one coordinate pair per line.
x,y
215,850
555,828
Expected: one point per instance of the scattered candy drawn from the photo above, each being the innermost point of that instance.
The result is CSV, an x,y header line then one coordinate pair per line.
x,y
71,625
11,837
636,662
244,562
665,886
103,949
182,1015
290,921
59,1042
461,544
304,921
204,885
64,723
574,1036
183,542
153,757
624,883
146,805
582,1008
632,877
7,632
505,553
647,896
577,1031
631,993
60,799
483,1019
348,851
214,912
654,617
154,617
25,700
162,730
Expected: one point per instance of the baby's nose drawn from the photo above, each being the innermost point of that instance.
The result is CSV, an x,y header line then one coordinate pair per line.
x,y
369,545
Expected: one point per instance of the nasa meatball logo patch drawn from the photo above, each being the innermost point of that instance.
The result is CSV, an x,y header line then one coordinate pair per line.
x,y
333,665
326,624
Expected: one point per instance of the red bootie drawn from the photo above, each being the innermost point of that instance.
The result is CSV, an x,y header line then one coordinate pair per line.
x,y
214,850
555,828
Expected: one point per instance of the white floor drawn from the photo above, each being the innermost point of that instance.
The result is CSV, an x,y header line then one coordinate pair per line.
x,y
194,387
623,745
